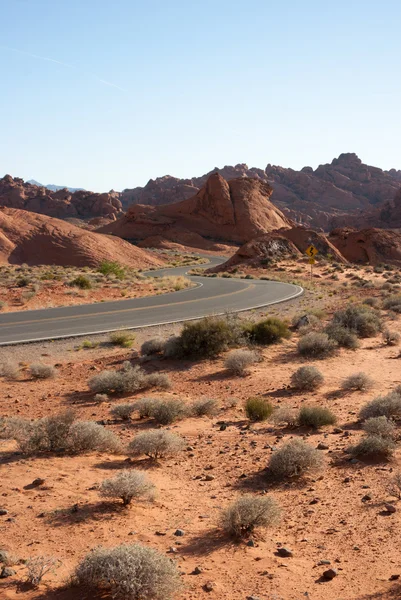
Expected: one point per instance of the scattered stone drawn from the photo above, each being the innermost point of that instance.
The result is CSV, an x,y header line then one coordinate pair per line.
x,y
330,574
6,572
366,498
284,552
394,577
322,446
209,477
390,508
197,571
209,586
3,512
179,532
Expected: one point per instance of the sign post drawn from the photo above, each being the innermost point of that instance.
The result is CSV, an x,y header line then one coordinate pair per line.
x,y
311,251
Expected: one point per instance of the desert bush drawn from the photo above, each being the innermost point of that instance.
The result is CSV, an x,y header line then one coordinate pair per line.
x,y
204,407
372,302
41,371
316,345
123,411
358,381
373,446
108,267
146,406
9,369
360,319
383,406
39,566
305,322
153,346
156,443
258,409
391,338
344,337
106,382
316,416
394,486
166,412
82,282
128,379
238,361
101,398
307,378
129,572
380,426
127,485
392,303
285,415
207,337
172,347
249,512
125,339
87,436
158,380
268,331
295,459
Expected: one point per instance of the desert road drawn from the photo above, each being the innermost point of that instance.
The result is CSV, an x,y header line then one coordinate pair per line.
x,y
210,296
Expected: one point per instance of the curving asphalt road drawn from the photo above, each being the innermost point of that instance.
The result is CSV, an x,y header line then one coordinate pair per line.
x,y
210,296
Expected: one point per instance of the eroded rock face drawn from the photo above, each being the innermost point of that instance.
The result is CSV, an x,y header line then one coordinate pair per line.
x,y
15,193
368,246
234,211
35,239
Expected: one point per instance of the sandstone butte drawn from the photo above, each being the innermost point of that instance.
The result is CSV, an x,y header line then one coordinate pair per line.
x,y
226,211
27,237
15,193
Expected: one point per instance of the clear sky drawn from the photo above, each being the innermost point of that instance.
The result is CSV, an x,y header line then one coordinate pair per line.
x,y
134,89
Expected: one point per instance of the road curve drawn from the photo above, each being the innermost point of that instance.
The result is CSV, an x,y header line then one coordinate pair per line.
x,y
210,296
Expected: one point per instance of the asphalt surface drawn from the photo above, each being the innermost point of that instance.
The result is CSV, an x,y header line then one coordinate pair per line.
x,y
210,296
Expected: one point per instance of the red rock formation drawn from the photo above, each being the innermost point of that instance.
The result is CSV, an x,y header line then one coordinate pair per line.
x,y
34,239
368,246
14,193
234,211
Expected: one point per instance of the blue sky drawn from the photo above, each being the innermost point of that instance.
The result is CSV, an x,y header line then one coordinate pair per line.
x,y
156,87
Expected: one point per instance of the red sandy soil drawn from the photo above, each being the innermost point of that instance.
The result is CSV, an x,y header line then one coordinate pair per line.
x,y
323,517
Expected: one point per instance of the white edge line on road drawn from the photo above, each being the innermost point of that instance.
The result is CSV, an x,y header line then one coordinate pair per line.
x,y
69,335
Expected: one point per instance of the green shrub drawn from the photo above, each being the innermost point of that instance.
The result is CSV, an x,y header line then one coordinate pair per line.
x,y
316,345
247,513
108,267
82,282
269,331
258,409
383,406
392,303
344,337
295,459
156,443
307,378
360,319
316,416
125,339
129,572
207,337
357,381
373,446
127,485
167,412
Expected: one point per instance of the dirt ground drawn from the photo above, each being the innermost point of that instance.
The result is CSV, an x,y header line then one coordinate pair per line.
x,y
323,516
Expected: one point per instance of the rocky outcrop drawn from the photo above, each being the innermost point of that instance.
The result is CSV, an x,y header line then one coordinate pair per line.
x,y
310,197
35,239
368,246
234,211
15,193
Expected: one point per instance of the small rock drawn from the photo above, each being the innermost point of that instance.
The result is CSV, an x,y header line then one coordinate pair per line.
x,y
330,574
252,598
172,550
179,532
322,446
160,533
250,543
394,577
209,586
324,562
38,481
197,571
209,477
223,427
390,508
285,552
337,430
6,572
3,512
366,498
314,501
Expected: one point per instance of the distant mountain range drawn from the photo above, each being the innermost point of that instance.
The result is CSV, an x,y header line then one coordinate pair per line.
x,y
54,188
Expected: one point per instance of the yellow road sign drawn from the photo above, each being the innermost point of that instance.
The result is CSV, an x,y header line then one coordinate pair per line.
x,y
312,261
311,251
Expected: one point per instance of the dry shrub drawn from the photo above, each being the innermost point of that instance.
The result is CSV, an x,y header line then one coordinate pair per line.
x,y
153,346
373,446
316,416
101,398
166,412
360,319
238,361
127,380
344,337
127,485
391,338
258,409
392,303
316,345
380,426
268,331
172,347
383,406
41,371
129,572
156,443
358,381
158,380
294,459
307,378
249,512
285,415
87,436
394,486
125,339
204,407
146,406
123,411
39,566
9,369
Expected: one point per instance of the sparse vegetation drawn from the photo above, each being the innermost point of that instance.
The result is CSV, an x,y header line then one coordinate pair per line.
x,y
153,346
358,381
41,371
127,485
238,361
208,337
360,319
204,407
125,339
307,378
391,338
393,303
108,267
316,416
39,566
316,345
10,370
294,459
82,282
129,572
383,406
248,513
380,426
87,436
166,412
123,411
156,443
344,337
285,415
268,331
258,409
128,379
373,446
